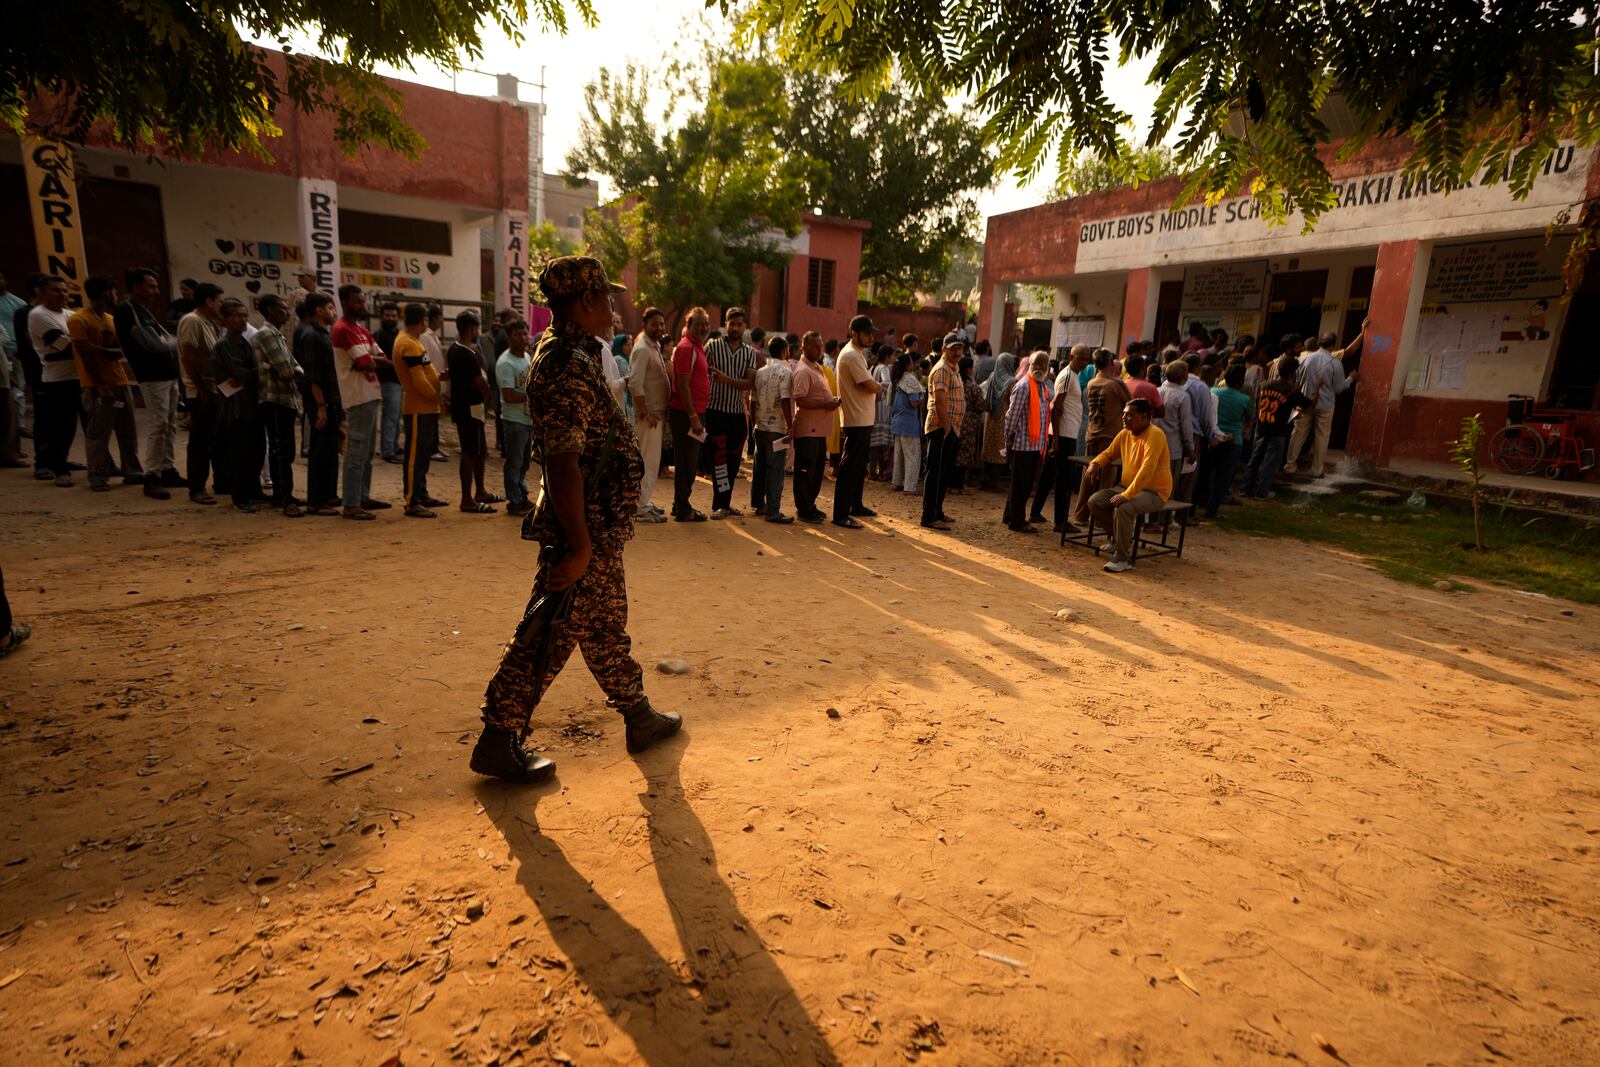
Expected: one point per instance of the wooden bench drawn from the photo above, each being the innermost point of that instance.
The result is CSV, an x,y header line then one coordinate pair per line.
x,y
1143,533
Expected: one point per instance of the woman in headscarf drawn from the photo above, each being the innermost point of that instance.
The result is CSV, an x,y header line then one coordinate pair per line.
x,y
970,456
996,396
906,422
881,465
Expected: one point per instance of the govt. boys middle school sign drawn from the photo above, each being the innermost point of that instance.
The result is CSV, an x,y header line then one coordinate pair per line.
x,y
1371,209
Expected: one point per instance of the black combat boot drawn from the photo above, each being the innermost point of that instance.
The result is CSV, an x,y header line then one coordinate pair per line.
x,y
646,725
499,754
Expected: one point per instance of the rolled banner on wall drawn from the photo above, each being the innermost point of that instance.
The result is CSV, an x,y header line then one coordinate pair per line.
x,y
319,231
511,266
57,224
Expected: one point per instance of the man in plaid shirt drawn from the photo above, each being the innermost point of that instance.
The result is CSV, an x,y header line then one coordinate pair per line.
x,y
278,394
947,406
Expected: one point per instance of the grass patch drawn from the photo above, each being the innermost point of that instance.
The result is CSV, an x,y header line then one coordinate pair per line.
x,y
1540,553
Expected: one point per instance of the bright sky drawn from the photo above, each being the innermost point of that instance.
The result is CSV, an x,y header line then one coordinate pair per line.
x,y
646,32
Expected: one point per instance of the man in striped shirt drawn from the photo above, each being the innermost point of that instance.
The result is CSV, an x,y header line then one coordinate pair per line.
x,y
732,368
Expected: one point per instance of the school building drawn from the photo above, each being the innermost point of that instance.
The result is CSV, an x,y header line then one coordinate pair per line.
x,y
1462,286
449,226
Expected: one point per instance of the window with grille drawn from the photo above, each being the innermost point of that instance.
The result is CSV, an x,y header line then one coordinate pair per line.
x,y
819,283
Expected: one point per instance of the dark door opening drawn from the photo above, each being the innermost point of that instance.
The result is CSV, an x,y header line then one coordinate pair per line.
x,y
122,228
1169,301
1294,304
1355,310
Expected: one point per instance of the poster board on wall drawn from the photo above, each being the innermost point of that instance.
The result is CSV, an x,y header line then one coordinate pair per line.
x,y
1521,268
1225,286
1070,330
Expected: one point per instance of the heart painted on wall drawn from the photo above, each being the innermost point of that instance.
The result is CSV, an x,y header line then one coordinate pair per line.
x,y
433,268
253,285
224,246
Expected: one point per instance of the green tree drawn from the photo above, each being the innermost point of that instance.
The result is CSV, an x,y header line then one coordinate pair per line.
x,y
182,77
705,194
1481,92
1464,450
962,281
545,242
905,162
1088,173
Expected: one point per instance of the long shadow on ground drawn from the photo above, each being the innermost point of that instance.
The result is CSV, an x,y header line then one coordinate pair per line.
x,y
735,1006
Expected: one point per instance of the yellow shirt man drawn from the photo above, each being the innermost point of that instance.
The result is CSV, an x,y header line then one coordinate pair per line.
x,y
419,378
1146,463
91,330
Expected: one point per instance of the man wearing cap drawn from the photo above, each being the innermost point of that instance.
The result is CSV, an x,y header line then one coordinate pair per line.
x,y
858,403
306,284
583,517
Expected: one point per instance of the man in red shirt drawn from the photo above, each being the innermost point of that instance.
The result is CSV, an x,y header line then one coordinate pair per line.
x,y
691,391
357,357
1133,376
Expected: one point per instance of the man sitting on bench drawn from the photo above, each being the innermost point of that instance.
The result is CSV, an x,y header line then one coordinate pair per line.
x,y
1146,477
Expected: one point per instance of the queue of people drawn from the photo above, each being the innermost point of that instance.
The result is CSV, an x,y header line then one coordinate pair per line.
x,y
1180,423
308,374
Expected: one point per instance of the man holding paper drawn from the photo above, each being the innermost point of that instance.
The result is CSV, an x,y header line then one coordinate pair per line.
x,y
774,424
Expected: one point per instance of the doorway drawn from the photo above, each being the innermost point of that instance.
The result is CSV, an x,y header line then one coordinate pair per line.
x,y
1294,303
1169,301
1355,310
123,227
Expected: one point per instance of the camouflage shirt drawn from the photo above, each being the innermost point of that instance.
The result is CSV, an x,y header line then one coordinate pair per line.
x,y
572,410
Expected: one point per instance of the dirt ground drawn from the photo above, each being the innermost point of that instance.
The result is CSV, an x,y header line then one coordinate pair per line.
x,y
1253,805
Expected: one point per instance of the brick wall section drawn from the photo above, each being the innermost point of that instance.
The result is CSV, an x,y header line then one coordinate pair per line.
x,y
477,150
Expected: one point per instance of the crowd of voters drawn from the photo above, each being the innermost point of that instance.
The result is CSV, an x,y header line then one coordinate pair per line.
x,y
1207,420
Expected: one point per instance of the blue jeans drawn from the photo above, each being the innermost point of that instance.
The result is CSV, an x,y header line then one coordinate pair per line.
x,y
1265,459
393,398
360,436
515,438
773,470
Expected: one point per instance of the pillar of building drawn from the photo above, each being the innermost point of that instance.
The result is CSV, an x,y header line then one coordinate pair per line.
x,y
1397,286
1138,308
992,314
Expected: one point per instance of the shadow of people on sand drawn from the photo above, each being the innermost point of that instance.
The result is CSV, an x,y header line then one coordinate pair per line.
x,y
734,1006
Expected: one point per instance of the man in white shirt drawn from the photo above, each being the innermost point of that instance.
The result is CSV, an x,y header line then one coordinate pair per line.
x,y
650,384
57,401
774,410
1066,420
1321,377
858,396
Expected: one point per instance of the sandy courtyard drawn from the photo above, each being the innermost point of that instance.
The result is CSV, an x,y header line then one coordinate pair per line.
x,y
1254,805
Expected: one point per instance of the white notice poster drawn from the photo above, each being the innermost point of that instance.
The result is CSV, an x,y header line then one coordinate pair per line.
x,y
1451,372
1078,330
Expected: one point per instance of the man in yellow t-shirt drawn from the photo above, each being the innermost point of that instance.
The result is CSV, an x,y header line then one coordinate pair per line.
x,y
420,405
1146,480
104,378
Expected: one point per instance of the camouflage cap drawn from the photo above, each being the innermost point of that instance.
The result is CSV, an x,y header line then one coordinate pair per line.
x,y
569,276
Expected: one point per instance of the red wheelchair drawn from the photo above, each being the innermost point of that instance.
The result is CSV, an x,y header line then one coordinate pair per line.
x,y
1531,441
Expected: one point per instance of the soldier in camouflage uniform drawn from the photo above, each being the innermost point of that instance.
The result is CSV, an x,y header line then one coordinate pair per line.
x,y
584,515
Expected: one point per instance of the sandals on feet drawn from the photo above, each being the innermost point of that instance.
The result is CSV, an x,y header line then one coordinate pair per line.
x,y
479,507
20,632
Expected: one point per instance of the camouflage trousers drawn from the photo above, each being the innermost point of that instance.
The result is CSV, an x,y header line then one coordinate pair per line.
x,y
597,624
